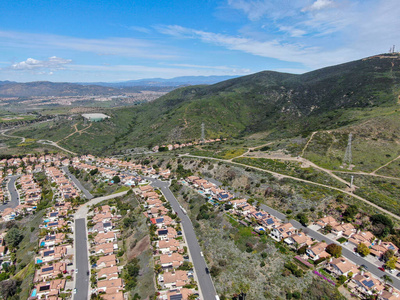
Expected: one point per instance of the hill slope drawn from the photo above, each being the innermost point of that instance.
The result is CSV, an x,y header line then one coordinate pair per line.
x,y
283,104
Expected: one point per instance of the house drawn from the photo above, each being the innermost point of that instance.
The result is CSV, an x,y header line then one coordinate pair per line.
x,y
365,237
106,261
345,229
176,279
105,237
167,233
107,248
341,266
114,296
108,273
48,272
367,284
380,248
173,260
107,285
298,240
326,221
283,231
166,246
52,254
49,289
179,294
317,251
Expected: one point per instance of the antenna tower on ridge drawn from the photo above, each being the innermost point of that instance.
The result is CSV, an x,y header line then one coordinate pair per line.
x,y
202,133
347,155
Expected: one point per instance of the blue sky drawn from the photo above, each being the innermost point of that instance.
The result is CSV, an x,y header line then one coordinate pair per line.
x,y
116,40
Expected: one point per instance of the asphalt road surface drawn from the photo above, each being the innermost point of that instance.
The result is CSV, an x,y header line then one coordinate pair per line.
x,y
82,280
204,280
345,252
14,201
87,194
320,237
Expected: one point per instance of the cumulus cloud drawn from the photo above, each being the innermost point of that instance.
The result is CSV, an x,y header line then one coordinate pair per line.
x,y
53,62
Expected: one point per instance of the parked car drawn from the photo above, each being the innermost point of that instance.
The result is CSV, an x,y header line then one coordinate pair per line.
x,y
382,269
207,271
398,274
365,267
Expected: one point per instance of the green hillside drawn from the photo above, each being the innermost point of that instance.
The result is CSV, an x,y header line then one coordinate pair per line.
x,y
285,105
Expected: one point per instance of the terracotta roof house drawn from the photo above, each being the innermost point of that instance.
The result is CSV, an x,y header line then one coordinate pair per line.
x,y
342,266
317,251
107,285
171,260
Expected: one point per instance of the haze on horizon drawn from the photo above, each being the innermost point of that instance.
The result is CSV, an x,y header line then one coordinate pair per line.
x,y
87,41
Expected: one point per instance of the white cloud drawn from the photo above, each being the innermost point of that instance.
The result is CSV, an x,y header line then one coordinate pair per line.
x,y
139,29
294,32
319,5
32,64
309,56
125,47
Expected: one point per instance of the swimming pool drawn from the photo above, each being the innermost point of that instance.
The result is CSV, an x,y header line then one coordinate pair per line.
x,y
33,293
39,261
42,244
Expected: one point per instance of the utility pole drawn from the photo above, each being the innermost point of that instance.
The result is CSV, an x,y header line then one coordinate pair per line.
x,y
347,155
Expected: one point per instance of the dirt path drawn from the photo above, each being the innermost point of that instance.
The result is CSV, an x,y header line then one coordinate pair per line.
x,y
373,172
368,174
76,131
305,163
278,175
251,148
12,136
306,145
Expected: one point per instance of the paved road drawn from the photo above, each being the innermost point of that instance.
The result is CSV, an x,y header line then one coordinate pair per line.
x,y
205,282
320,237
14,201
84,208
77,183
279,175
345,252
82,280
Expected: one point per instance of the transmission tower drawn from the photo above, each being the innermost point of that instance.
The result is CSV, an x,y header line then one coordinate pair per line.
x,y
202,133
347,155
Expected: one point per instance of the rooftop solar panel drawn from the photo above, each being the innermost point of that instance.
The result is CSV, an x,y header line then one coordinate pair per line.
x,y
368,283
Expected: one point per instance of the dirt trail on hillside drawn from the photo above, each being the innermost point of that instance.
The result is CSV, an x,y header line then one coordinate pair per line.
x,y
278,175
306,145
305,163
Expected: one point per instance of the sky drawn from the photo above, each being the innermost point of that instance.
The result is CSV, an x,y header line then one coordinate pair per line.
x,y
119,40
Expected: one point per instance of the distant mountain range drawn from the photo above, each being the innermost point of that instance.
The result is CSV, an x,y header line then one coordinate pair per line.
x,y
47,88
162,82
280,104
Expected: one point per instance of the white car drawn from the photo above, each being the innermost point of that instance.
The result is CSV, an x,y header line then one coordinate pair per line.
x,y
74,290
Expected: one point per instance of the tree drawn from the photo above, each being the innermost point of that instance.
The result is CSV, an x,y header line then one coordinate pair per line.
x,y
334,250
8,288
363,249
342,279
388,255
116,179
351,211
391,263
13,237
303,219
